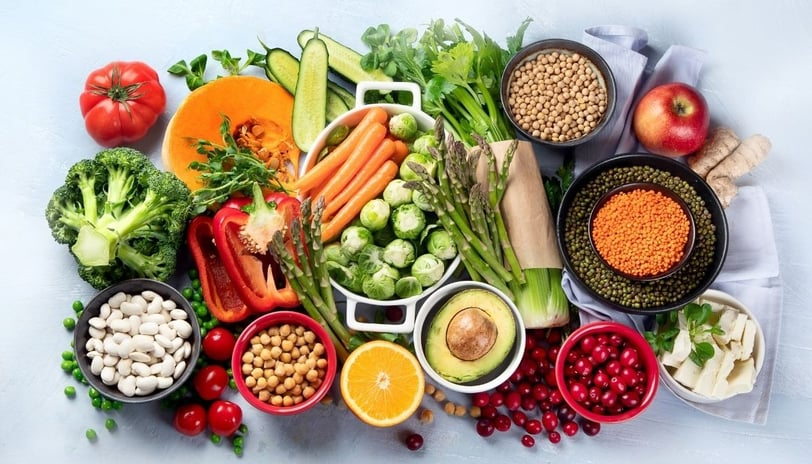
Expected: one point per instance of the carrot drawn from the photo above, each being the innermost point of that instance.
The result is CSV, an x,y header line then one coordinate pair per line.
x,y
384,152
322,170
352,208
401,150
358,157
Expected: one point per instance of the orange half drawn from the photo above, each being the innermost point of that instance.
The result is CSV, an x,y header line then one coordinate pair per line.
x,y
382,383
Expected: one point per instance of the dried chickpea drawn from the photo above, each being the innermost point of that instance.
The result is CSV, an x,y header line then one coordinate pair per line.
x,y
439,395
426,416
448,407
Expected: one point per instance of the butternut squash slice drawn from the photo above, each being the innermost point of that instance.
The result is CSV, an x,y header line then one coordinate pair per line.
x,y
260,112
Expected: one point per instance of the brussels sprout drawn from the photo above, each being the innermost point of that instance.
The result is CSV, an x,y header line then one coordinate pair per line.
x,y
349,277
370,258
353,238
408,286
421,200
441,245
396,194
399,253
384,236
403,126
428,269
408,221
381,284
335,252
375,214
425,160
422,143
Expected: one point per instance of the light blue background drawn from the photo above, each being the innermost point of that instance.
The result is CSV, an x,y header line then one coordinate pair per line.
x,y
756,79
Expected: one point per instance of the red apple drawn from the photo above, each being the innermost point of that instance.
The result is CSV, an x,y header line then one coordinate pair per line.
x,y
671,119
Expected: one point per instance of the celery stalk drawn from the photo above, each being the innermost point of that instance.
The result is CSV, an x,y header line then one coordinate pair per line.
x,y
541,300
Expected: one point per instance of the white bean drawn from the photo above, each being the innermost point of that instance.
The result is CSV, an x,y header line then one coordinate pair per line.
x,y
96,333
126,348
187,349
138,356
165,382
109,345
114,315
96,365
155,306
105,310
94,344
119,337
179,368
178,314
155,318
135,323
124,366
145,385
184,328
167,366
148,328
97,322
128,308
108,375
179,355
143,343
155,369
140,369
119,325
140,301
157,350
150,296
116,300
169,304
94,354
163,341
176,343
110,359
126,385
167,331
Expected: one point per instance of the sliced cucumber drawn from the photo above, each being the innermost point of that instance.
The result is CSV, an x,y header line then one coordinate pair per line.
x,y
282,67
310,102
344,60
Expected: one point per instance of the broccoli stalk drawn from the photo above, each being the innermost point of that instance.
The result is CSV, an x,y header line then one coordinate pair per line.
x,y
121,216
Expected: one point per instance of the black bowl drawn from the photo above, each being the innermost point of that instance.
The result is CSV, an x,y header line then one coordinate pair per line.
x,y
605,78
607,286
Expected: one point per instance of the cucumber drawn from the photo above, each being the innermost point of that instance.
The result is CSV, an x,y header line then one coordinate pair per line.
x,y
283,68
310,102
344,60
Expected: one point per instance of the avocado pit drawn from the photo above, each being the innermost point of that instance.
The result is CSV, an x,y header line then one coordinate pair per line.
x,y
471,334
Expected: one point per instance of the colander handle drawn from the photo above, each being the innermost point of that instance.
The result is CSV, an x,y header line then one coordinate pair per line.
x,y
405,326
365,86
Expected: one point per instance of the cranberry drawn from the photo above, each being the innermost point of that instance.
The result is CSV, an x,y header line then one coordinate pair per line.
x,y
488,412
513,400
519,418
601,379
484,427
480,399
588,343
545,405
503,387
629,357
528,403
497,399
549,420
539,354
616,340
603,339
555,397
569,428
533,426
566,413
600,354
528,367
630,399
573,355
528,441
540,392
613,367
594,394
414,441
549,378
552,353
629,376
608,398
554,336
598,409
617,385
614,353
501,423
517,376
394,313
640,388
554,437
590,428
579,392
523,388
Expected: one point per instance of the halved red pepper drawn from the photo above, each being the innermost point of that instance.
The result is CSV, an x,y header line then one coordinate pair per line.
x,y
257,277
218,289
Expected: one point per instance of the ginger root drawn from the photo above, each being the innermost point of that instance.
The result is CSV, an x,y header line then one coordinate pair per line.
x,y
720,142
749,154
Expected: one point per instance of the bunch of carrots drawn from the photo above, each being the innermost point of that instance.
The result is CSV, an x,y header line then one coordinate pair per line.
x,y
356,171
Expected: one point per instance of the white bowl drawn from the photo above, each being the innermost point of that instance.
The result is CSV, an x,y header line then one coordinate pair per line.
x,y
489,381
351,119
688,394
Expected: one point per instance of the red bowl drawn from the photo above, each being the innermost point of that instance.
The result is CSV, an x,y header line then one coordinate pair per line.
x,y
279,318
646,362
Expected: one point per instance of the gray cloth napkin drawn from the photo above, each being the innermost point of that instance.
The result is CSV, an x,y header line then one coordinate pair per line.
x,y
750,272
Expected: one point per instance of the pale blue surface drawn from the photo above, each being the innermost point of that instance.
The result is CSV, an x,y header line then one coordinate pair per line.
x,y
756,78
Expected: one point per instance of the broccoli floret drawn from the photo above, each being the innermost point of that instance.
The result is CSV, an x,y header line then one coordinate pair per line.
x,y
121,217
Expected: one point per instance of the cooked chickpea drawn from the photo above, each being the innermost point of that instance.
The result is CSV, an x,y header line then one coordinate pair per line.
x,y
284,365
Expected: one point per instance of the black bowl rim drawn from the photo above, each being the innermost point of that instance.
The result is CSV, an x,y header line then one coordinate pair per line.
x,y
92,308
689,243
674,167
570,46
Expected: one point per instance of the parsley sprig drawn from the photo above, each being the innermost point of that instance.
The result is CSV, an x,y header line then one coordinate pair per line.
x,y
697,318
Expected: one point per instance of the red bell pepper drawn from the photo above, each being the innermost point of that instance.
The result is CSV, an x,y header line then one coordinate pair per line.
x,y
218,289
256,276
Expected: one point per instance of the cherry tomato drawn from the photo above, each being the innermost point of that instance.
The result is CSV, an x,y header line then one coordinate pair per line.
x,y
218,344
121,102
210,381
224,417
190,419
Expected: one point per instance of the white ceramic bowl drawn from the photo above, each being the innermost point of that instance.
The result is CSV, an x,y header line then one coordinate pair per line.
x,y
688,394
351,119
489,381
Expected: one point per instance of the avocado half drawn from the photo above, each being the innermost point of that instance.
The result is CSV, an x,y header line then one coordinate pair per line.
x,y
470,336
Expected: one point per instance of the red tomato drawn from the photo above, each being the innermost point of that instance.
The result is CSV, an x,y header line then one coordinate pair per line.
x,y
219,343
210,381
121,101
224,417
190,419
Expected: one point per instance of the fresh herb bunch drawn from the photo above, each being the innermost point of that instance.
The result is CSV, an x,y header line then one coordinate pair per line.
x,y
458,69
556,185
195,70
697,323
229,169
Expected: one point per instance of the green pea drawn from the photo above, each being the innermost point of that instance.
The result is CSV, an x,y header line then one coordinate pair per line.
x,y
91,434
238,441
69,323
96,402
187,293
203,332
110,424
78,306
77,374
68,355
232,384
195,283
70,391
117,405
193,273
197,296
68,366
238,450
201,311
106,405
243,429
93,393
216,439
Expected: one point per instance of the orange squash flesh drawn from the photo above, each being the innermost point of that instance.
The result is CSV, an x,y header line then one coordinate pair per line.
x,y
246,100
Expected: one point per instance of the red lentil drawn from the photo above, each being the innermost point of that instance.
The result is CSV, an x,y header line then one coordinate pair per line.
x,y
641,232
